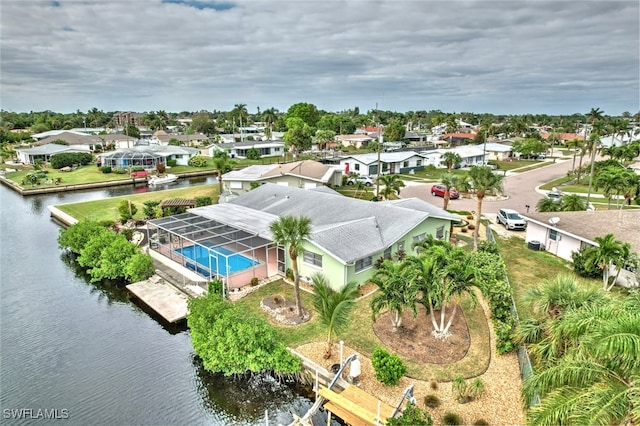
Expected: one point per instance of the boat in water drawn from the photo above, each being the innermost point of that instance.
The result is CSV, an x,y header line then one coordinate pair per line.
x,y
160,180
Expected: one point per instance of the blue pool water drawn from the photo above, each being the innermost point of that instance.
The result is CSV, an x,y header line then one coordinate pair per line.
x,y
201,255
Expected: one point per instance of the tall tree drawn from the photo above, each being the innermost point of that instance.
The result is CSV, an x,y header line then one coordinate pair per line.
x,y
572,203
483,181
449,180
333,307
394,131
451,160
291,231
610,253
304,111
220,164
396,294
298,135
391,185
595,380
324,137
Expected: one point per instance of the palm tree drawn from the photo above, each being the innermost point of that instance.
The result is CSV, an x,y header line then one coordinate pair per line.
x,y
292,231
220,164
572,203
449,180
595,379
546,204
574,143
396,293
333,307
483,180
392,185
451,159
442,274
270,116
609,253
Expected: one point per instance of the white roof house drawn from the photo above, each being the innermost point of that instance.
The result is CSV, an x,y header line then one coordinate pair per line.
x,y
390,162
44,152
300,174
240,149
617,140
471,156
496,151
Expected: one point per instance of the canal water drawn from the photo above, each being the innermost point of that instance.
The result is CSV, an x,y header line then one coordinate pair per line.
x,y
85,352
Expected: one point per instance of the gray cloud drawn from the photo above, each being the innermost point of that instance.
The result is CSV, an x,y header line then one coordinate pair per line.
x,y
556,57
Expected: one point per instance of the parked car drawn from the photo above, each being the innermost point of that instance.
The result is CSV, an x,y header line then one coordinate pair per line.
x,y
511,219
438,190
366,180
556,196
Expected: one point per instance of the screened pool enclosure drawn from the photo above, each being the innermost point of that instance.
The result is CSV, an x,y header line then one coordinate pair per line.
x,y
214,249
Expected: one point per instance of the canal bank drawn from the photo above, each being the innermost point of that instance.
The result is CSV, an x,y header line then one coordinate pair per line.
x,y
67,343
40,190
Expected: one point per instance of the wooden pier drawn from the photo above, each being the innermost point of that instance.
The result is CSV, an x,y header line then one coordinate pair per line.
x,y
356,407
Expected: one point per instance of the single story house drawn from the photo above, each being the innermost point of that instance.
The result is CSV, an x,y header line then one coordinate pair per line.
x,y
76,139
471,156
563,233
458,138
496,151
44,152
147,156
118,140
300,174
240,149
617,140
390,163
195,139
233,241
357,141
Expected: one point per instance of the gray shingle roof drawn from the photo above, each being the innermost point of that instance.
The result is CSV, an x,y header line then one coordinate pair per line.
x,y
346,227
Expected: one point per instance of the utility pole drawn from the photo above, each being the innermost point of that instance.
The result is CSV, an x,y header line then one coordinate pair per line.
x,y
593,161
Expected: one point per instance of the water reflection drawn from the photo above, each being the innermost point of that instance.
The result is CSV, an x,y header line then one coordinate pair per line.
x,y
36,205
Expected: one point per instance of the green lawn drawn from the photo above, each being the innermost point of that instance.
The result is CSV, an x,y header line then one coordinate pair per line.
x,y
510,165
107,208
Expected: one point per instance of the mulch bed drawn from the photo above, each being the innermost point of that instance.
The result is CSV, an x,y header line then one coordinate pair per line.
x,y
283,310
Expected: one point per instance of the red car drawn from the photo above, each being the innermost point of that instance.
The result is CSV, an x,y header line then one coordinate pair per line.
x,y
438,191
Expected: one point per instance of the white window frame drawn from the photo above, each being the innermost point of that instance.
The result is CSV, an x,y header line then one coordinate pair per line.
x,y
363,264
312,259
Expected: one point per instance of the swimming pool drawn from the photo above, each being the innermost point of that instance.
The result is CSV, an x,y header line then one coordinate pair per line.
x,y
220,257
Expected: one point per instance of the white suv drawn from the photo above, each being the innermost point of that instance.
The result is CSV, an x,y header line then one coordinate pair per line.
x,y
366,180
511,219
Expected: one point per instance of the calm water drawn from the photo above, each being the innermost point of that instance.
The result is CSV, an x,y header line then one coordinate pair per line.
x,y
67,344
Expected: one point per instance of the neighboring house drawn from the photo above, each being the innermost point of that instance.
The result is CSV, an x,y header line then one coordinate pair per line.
x,y
471,155
79,140
563,137
617,140
43,135
299,174
195,139
357,141
44,152
147,156
496,151
118,140
347,235
390,163
240,149
458,138
563,233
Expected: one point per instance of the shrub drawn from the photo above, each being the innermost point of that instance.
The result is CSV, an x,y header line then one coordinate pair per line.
x,y
470,216
388,368
253,154
203,201
289,274
120,171
481,422
127,210
411,416
172,163
198,161
476,389
68,159
254,281
464,229
149,209
105,169
215,287
582,266
127,232
431,401
488,246
452,419
471,226
433,384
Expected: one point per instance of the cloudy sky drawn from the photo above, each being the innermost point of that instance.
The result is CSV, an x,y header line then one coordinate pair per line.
x,y
504,57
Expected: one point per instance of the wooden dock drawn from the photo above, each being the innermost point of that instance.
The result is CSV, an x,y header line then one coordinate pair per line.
x,y
356,407
162,297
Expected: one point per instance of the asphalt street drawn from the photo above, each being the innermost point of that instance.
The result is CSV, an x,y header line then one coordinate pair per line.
x,y
519,190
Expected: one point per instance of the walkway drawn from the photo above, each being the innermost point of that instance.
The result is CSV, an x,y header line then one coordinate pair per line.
x,y
356,407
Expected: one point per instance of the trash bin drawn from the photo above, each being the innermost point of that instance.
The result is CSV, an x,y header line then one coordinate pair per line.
x,y
534,245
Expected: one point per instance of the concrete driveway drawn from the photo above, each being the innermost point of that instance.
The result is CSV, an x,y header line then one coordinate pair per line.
x,y
519,190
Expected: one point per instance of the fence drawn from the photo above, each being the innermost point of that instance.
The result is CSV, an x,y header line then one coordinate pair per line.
x,y
523,356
